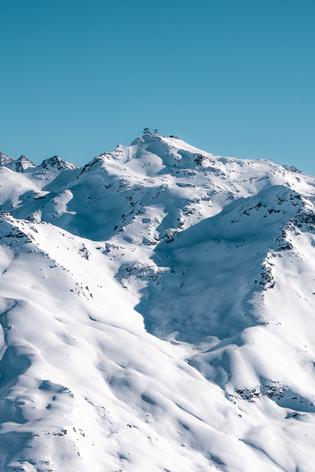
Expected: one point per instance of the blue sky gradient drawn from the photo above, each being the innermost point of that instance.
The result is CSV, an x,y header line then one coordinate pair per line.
x,y
234,77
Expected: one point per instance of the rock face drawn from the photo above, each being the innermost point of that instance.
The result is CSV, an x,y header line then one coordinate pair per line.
x,y
156,311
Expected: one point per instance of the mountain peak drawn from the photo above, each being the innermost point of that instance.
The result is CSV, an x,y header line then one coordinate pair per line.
x,y
148,135
23,163
5,159
156,267
57,163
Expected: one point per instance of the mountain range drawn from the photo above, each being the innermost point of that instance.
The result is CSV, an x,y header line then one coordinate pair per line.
x,y
157,313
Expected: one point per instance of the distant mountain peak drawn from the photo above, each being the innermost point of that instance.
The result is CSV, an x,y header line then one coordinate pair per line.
x,y
23,163
5,159
57,163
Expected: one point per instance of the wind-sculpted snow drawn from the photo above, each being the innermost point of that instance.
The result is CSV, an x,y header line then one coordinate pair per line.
x,y
156,311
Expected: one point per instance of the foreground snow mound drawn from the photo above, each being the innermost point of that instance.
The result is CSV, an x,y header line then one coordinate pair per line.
x,y
156,313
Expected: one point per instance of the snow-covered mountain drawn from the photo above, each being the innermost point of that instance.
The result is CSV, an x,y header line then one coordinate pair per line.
x,y
157,312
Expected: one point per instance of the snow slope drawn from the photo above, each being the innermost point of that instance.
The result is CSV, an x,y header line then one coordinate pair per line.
x,y
156,314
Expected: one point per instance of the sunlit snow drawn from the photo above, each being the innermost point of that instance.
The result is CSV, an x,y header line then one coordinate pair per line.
x,y
157,313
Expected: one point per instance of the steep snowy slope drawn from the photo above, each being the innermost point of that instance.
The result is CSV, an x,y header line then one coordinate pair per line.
x,y
157,311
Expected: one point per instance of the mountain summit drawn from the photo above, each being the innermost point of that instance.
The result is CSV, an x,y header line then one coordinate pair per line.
x,y
157,308
5,159
57,163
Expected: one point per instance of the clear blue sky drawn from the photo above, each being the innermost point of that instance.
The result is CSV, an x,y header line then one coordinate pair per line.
x,y
234,77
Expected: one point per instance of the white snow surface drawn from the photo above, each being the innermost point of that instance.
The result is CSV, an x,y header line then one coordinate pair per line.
x,y
157,313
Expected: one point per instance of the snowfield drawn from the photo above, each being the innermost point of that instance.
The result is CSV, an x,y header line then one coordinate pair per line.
x,y
157,312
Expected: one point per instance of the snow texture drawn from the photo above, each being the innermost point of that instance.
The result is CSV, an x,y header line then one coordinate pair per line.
x,y
157,313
